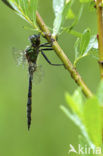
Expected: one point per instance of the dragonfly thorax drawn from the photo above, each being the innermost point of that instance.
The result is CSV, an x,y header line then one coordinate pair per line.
x,y
31,54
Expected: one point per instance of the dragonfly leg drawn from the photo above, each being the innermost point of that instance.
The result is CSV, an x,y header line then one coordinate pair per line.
x,y
49,61
46,49
45,45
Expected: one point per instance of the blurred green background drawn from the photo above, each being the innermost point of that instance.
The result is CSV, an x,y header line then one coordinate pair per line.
x,y
51,131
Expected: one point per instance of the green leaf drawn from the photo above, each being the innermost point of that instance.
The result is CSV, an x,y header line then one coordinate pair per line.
x,y
92,120
78,123
100,92
58,6
70,14
66,11
77,18
78,98
92,5
77,54
31,9
86,45
24,8
73,117
84,41
75,33
71,103
93,48
84,1
75,102
70,29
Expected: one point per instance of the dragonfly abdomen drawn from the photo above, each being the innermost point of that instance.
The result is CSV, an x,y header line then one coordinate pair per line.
x,y
29,103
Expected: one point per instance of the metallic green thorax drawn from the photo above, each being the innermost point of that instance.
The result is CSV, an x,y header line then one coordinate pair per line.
x,y
31,54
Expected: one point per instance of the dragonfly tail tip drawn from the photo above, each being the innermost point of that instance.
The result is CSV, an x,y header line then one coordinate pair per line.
x,y
28,127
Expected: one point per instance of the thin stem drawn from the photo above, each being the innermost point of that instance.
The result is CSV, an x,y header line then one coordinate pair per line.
x,y
100,34
100,40
67,63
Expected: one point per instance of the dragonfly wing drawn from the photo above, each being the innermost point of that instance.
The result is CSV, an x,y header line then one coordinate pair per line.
x,y
19,56
38,75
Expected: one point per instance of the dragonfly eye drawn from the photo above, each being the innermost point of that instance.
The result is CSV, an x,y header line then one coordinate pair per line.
x,y
35,39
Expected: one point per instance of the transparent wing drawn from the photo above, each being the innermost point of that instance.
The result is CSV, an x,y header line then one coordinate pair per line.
x,y
19,56
38,75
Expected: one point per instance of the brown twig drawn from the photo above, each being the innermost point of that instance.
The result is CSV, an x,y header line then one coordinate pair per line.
x,y
67,63
100,42
100,34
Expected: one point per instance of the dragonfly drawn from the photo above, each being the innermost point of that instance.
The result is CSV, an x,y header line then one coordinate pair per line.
x,y
31,54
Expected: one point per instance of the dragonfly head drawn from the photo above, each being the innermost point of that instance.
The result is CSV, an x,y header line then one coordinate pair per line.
x,y
35,39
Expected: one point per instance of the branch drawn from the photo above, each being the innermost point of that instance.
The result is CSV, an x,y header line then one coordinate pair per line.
x,y
100,41
67,63
100,34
